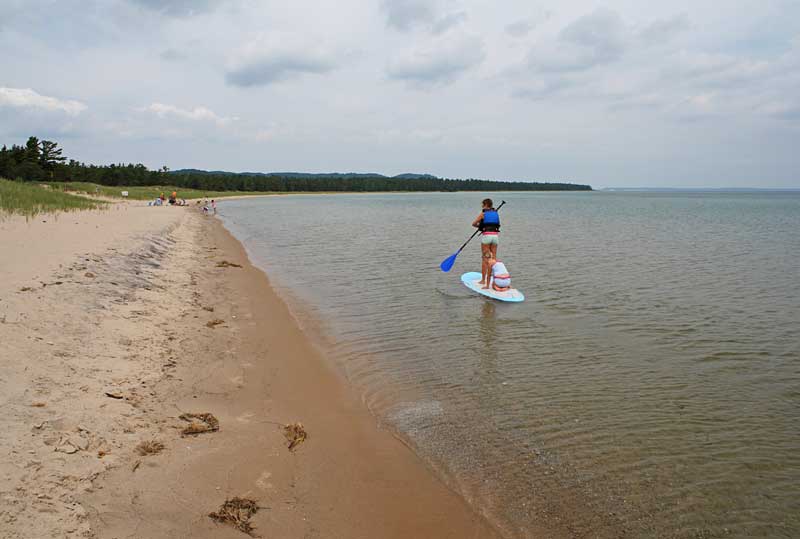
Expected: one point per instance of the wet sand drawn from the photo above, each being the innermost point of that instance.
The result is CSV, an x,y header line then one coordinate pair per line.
x,y
145,325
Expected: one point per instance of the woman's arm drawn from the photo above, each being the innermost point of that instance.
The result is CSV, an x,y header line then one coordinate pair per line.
x,y
477,222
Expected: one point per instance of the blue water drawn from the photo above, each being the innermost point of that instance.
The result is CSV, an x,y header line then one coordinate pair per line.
x,y
649,386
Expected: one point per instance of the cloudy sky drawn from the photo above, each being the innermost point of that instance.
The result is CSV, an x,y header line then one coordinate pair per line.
x,y
615,93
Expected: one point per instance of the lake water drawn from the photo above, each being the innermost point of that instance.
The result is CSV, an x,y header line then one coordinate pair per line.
x,y
649,386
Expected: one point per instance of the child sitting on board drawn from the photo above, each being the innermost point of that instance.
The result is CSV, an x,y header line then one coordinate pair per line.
x,y
499,276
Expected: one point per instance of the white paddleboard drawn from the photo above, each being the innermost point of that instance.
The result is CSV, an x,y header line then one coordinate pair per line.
x,y
471,279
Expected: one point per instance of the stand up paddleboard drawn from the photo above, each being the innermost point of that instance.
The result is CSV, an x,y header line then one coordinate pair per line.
x,y
471,280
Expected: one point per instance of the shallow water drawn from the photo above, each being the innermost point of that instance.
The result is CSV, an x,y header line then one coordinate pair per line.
x,y
649,386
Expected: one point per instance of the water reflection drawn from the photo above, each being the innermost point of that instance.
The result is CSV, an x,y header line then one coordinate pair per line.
x,y
487,355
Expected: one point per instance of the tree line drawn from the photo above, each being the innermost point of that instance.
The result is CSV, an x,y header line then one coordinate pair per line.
x,y
42,161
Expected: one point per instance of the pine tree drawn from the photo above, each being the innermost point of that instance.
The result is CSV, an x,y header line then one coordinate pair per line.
x,y
50,155
32,150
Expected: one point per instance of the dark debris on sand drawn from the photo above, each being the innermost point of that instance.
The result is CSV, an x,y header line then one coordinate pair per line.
x,y
149,447
237,512
295,434
199,423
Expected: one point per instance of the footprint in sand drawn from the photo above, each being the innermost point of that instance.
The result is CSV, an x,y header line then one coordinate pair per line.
x,y
263,481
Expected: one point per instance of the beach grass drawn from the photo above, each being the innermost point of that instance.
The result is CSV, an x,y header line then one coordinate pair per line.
x,y
30,199
145,192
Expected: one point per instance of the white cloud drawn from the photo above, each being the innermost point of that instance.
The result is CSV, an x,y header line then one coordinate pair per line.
x,y
28,98
196,114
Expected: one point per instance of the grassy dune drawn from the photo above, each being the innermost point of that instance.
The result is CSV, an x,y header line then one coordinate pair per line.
x,y
30,199
143,192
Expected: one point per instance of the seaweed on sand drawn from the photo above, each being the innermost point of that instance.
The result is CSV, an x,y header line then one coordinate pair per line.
x,y
295,434
226,264
214,323
199,423
237,512
149,447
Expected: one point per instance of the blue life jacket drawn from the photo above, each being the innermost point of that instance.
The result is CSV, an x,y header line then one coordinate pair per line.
x,y
491,221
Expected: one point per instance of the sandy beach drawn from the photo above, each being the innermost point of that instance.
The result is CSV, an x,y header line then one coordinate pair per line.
x,y
115,324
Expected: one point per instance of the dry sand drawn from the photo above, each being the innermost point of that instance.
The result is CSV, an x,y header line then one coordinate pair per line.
x,y
115,323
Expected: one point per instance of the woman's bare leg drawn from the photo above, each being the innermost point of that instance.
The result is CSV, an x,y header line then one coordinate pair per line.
x,y
485,269
485,250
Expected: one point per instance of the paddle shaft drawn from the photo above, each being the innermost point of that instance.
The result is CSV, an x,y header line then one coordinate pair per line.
x,y
477,231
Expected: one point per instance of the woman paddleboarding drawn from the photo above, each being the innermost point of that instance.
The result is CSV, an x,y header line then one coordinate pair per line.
x,y
488,222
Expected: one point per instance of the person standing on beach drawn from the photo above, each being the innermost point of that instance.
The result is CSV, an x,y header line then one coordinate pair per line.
x,y
488,222
214,206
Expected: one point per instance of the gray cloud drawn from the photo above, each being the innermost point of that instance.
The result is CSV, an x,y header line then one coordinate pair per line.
x,y
523,27
520,28
719,71
441,63
172,55
451,20
789,112
407,15
543,88
600,37
663,30
179,8
404,15
275,66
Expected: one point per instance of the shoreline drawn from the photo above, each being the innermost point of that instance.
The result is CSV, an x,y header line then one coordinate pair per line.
x,y
158,330
312,193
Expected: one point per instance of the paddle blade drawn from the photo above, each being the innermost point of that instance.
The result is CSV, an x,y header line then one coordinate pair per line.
x,y
448,262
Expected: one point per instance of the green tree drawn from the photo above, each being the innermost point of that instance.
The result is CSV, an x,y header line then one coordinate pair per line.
x,y
32,150
50,155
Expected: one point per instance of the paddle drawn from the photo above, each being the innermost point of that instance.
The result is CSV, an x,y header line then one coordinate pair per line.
x,y
447,263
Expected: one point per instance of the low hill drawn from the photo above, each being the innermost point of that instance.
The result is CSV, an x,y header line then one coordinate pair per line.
x,y
405,176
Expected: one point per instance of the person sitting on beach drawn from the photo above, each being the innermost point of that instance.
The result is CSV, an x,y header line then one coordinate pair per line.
x,y
500,278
